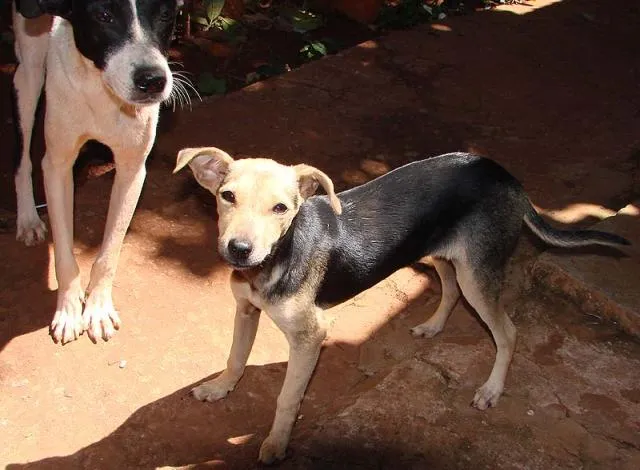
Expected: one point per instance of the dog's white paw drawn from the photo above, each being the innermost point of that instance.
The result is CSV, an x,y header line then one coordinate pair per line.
x,y
100,317
272,450
426,330
67,324
30,230
487,396
213,390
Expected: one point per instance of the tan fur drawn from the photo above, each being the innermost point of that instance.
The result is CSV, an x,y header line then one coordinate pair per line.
x,y
249,217
258,185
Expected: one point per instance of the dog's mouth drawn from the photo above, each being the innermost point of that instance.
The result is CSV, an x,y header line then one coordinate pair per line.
x,y
138,99
243,264
148,99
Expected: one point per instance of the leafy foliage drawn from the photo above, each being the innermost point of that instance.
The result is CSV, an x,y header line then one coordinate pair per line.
x,y
209,14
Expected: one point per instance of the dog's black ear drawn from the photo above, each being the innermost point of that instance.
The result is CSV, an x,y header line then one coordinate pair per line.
x,y
35,8
208,164
308,180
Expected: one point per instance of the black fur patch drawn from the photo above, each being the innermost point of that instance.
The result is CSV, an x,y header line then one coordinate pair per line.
x,y
102,27
421,208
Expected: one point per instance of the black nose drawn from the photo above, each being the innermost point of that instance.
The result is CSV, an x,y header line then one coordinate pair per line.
x,y
150,79
240,249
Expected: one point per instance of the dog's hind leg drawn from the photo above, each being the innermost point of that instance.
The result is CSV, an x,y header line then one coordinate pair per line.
x,y
482,288
244,334
450,296
32,42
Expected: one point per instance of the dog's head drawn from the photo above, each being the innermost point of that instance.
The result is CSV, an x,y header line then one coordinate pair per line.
x,y
257,199
125,39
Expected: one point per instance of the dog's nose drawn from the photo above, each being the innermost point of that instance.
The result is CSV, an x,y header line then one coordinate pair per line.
x,y
240,249
150,79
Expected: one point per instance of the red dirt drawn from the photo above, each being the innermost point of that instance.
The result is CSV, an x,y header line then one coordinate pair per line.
x,y
552,95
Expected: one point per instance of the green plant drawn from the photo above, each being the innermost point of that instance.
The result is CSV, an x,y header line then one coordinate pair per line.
x,y
210,14
313,50
406,13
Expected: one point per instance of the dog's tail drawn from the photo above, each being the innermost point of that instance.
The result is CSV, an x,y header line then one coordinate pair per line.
x,y
570,238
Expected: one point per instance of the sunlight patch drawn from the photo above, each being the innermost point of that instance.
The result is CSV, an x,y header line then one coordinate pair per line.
x,y
526,7
240,440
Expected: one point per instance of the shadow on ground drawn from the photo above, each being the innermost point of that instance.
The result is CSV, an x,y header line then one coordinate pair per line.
x,y
552,95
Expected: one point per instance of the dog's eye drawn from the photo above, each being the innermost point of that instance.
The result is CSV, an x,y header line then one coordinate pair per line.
x,y
228,196
104,16
280,208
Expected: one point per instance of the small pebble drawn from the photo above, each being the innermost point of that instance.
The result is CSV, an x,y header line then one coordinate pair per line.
x,y
122,364
530,412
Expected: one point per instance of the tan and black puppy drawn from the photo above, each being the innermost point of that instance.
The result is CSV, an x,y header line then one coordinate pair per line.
x,y
294,254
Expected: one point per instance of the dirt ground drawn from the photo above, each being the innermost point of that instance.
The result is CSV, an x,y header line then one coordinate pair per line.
x,y
549,90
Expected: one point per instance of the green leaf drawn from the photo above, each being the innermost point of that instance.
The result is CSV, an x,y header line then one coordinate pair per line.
x,y
298,20
229,25
314,50
319,47
213,8
304,21
201,20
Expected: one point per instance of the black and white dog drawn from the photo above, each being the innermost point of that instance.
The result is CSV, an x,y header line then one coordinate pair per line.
x,y
106,75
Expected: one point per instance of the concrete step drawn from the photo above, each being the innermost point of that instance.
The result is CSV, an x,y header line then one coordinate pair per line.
x,y
600,284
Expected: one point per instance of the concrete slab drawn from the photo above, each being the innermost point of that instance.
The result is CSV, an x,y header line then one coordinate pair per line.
x,y
603,285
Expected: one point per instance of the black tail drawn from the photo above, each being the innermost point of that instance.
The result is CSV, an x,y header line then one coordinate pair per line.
x,y
570,238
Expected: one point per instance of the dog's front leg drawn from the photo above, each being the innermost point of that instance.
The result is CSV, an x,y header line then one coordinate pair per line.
x,y
99,316
58,181
244,334
31,45
305,335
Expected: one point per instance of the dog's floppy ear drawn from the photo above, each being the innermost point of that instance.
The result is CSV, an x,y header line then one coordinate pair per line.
x,y
35,8
209,165
308,180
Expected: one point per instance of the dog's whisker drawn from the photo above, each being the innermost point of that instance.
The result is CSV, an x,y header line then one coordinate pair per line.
x,y
179,93
181,73
184,93
188,85
182,88
174,96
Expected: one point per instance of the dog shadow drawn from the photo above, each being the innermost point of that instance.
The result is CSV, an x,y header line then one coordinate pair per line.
x,y
26,302
180,431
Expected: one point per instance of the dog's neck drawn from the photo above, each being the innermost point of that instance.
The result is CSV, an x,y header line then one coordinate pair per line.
x,y
263,277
